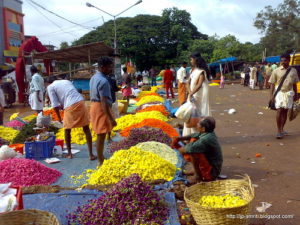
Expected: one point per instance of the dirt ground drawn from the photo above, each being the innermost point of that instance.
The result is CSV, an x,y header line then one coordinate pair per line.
x,y
252,130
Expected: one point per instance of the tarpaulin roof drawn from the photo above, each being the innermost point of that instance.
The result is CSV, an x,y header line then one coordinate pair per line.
x,y
272,59
222,61
78,53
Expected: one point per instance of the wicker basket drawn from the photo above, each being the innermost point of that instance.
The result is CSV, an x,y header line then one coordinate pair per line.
x,y
28,217
220,216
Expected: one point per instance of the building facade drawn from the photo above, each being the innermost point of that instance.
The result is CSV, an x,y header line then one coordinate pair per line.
x,y
11,30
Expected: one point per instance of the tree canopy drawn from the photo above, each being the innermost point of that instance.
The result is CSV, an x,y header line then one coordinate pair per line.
x,y
280,26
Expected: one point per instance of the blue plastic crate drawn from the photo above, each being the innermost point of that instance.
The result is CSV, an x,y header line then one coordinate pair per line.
x,y
40,149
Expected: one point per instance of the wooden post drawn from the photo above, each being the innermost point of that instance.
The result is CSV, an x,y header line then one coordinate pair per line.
x,y
70,69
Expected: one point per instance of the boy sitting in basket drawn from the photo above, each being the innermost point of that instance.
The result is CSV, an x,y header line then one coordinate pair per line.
x,y
204,151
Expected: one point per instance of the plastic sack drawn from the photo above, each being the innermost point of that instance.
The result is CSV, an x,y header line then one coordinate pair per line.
x,y
184,112
293,112
194,118
43,121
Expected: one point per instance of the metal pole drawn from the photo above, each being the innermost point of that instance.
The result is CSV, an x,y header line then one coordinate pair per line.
x,y
115,39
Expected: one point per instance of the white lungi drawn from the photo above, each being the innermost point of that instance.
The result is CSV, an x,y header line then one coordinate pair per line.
x,y
33,101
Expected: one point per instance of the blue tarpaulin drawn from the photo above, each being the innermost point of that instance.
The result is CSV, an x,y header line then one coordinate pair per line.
x,y
222,61
65,202
272,59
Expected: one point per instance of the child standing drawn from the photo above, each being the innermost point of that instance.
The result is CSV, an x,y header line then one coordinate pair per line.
x,y
222,82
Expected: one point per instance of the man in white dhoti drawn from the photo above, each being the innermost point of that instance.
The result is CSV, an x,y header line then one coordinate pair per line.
x,y
37,88
287,94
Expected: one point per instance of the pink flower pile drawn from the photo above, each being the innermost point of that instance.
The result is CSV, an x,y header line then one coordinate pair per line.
x,y
14,123
26,172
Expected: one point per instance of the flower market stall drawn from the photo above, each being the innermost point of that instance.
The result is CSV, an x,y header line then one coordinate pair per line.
x,y
136,184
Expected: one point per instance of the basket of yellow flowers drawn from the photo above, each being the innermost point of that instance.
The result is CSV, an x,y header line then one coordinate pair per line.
x,y
223,202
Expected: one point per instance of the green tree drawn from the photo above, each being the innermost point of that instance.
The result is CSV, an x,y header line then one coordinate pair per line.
x,y
147,39
280,27
64,45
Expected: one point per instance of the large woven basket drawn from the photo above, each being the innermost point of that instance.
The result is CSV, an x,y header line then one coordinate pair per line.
x,y
220,216
28,217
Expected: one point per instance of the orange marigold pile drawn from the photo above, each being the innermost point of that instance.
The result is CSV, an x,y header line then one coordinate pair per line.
x,y
167,128
53,114
159,108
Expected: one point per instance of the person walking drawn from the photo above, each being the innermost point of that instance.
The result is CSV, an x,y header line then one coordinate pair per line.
x,y
198,89
101,101
152,74
63,95
37,88
182,80
168,80
286,95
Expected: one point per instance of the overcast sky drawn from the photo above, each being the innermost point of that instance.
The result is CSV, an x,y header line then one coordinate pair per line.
x,y
219,17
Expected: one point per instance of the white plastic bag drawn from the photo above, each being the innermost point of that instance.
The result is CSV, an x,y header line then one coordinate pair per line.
x,y
184,112
43,121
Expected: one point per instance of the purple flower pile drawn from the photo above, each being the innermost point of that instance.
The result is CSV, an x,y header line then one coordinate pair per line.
x,y
130,201
138,135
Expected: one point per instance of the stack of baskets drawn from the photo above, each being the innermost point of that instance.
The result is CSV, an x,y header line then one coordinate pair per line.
x,y
28,217
220,216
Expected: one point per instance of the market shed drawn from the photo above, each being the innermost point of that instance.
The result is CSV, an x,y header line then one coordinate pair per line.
x,y
78,54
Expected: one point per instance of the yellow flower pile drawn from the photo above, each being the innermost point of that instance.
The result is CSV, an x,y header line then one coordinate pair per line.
x,y
225,201
8,133
13,116
143,93
78,136
131,119
160,149
123,163
29,118
150,98
214,84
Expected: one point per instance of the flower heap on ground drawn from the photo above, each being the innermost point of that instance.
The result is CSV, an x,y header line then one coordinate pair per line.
x,y
147,105
8,133
123,163
138,135
15,124
159,108
78,136
53,115
131,119
130,201
151,122
151,98
160,149
30,117
26,172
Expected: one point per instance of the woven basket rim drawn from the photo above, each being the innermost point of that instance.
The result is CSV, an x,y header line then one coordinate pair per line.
x,y
244,178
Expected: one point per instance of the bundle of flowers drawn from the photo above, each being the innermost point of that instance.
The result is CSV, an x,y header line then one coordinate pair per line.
x,y
147,105
160,149
15,124
53,115
165,127
78,136
138,135
13,116
30,117
8,133
130,201
26,172
123,163
150,98
131,119
159,108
